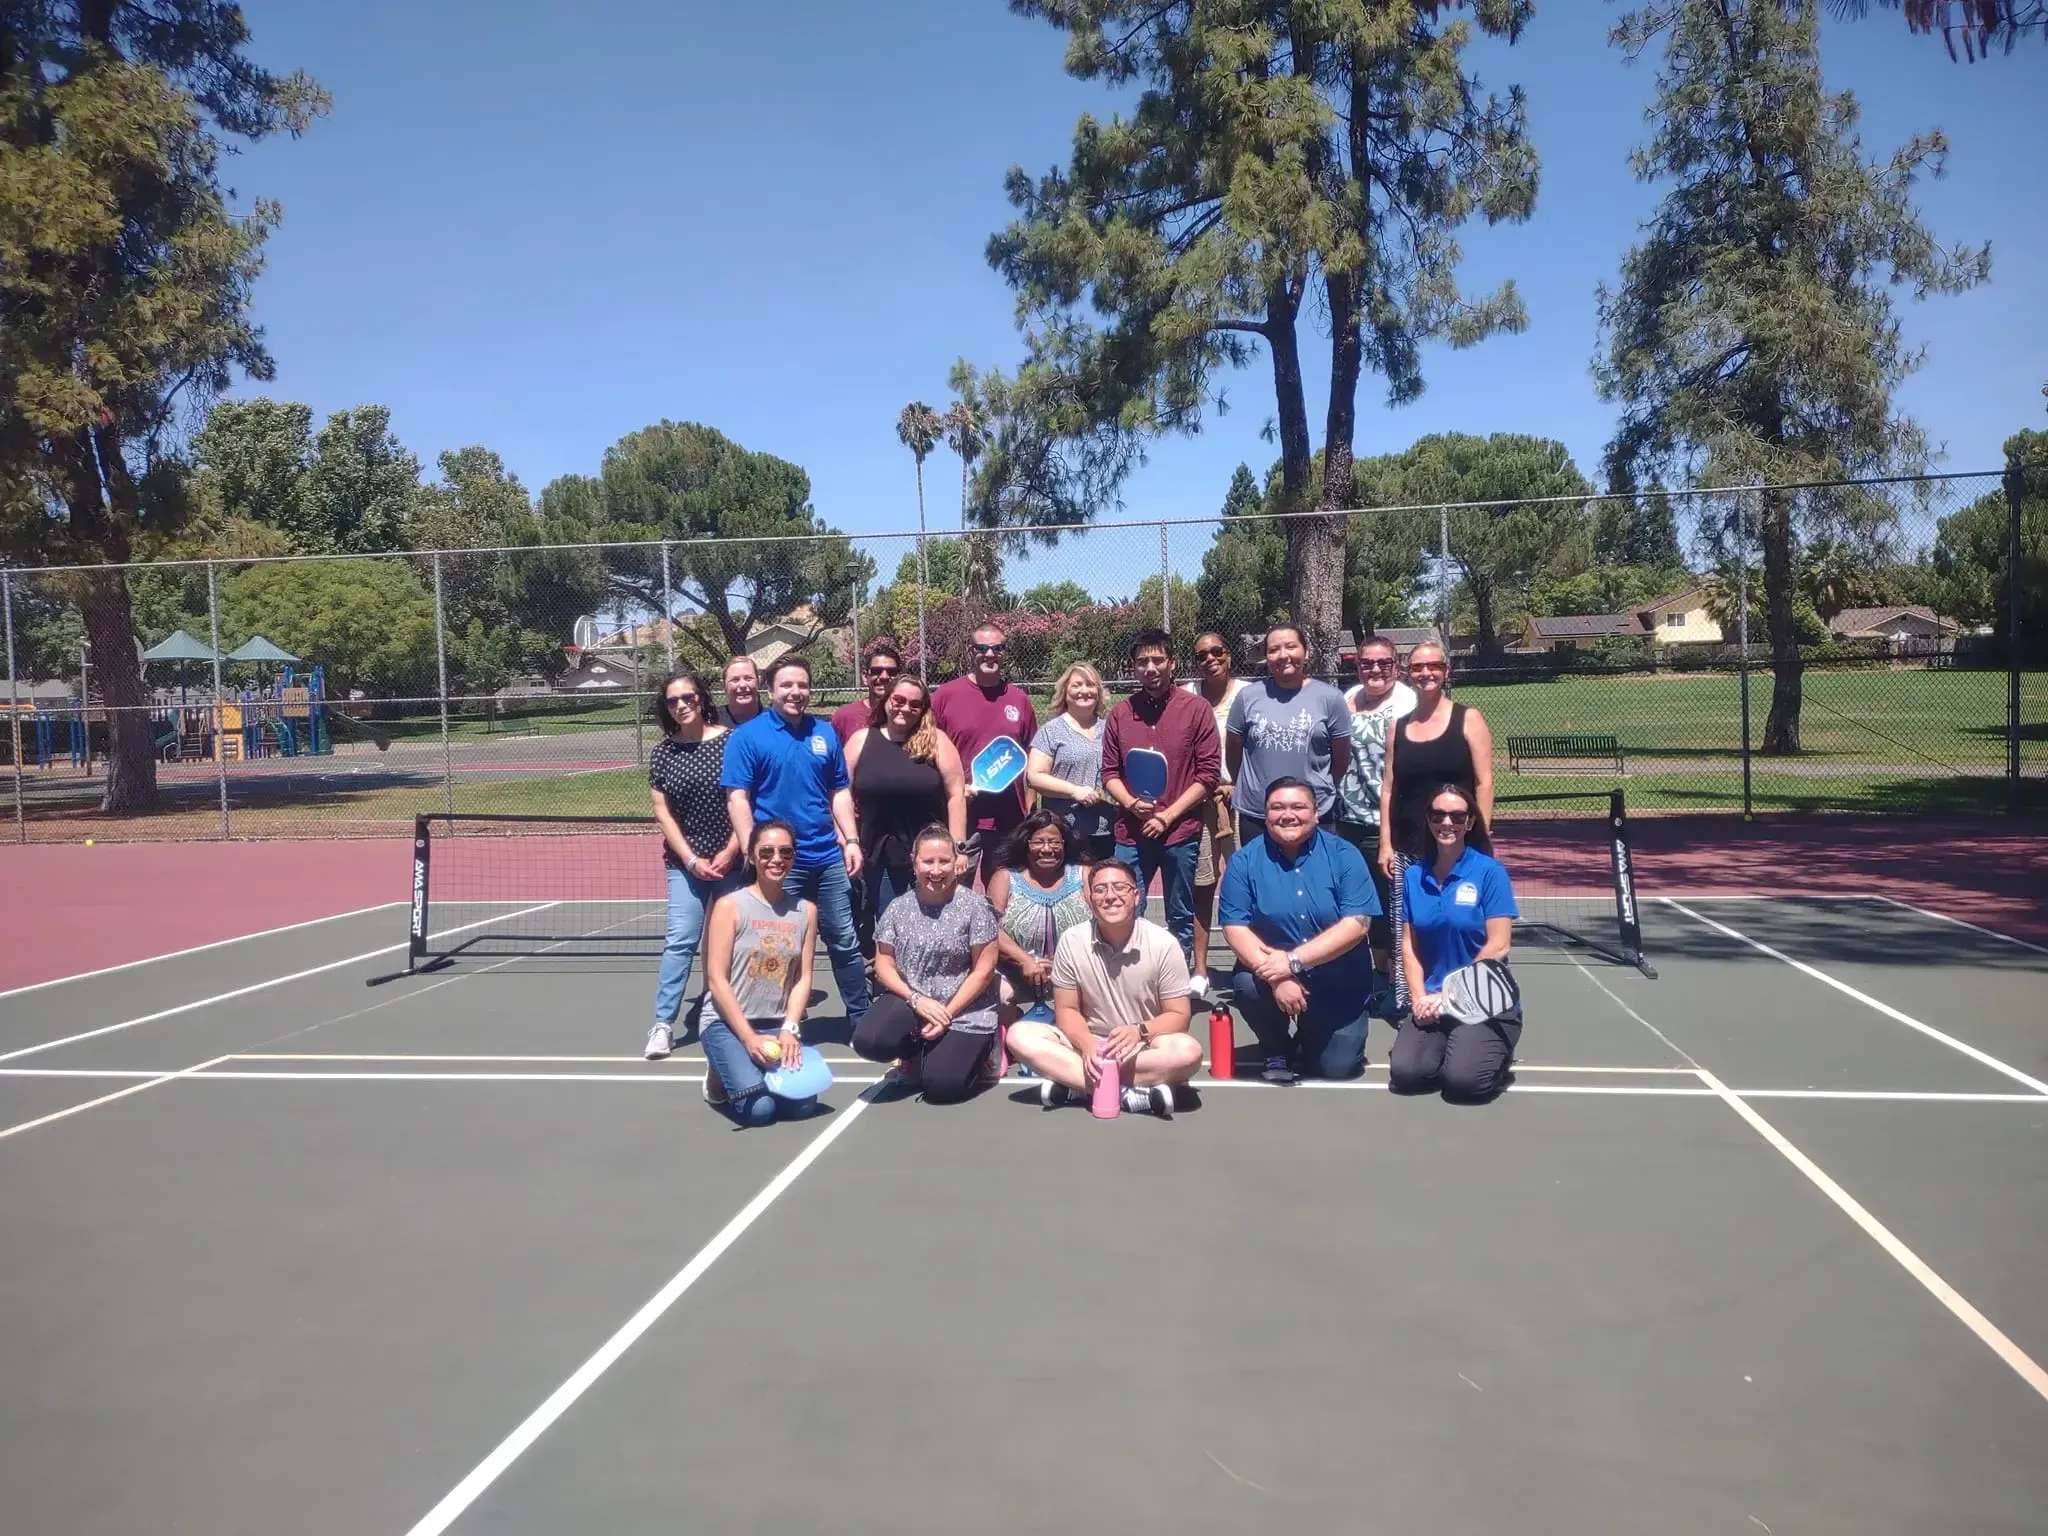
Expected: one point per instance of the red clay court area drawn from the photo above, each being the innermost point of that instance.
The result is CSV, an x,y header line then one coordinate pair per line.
x,y
66,909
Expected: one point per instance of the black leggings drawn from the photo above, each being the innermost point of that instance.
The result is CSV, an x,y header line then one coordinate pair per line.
x,y
952,1066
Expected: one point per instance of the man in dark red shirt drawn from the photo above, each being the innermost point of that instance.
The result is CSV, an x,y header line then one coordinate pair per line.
x,y
974,710
884,666
1163,836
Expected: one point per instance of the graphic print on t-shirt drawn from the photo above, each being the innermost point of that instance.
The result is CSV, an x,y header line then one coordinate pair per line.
x,y
774,956
1290,733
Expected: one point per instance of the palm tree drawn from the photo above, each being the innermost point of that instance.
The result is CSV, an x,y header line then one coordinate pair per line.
x,y
1977,23
963,424
918,427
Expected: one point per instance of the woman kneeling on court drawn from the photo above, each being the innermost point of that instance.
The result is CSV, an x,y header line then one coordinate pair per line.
x,y
758,962
1466,1014
935,965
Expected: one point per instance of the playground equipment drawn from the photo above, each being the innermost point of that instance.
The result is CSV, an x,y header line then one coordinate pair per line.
x,y
284,718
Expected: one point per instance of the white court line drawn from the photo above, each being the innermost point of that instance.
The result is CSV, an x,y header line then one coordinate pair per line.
x,y
2015,1358
214,1071
537,1423
197,949
1943,917
1985,1058
152,1079
259,986
1520,1066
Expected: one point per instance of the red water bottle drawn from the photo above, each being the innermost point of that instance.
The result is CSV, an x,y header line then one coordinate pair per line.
x,y
1222,1043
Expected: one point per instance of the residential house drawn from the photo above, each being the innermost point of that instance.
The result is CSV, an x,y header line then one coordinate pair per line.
x,y
1898,622
1570,630
1681,619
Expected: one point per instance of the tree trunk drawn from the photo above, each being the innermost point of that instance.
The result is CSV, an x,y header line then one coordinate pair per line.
x,y
1781,727
131,735
1315,545
1488,643
1347,357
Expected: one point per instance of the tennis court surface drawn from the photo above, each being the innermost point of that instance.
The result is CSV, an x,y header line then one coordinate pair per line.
x,y
1758,1245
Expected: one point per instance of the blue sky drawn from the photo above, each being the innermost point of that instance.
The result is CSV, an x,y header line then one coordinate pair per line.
x,y
541,226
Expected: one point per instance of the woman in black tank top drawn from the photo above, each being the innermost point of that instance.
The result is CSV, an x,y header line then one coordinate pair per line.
x,y
906,776
1461,754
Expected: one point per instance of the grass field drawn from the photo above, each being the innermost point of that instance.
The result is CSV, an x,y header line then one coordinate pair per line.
x,y
1874,740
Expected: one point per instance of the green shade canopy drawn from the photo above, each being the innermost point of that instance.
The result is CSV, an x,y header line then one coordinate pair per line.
x,y
260,648
178,646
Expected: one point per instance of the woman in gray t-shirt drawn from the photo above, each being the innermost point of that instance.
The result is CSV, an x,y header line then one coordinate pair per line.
x,y
935,977
757,950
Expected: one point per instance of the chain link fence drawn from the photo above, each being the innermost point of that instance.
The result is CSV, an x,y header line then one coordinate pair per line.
x,y
1845,647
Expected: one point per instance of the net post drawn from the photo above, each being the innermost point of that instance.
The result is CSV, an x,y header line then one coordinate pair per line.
x,y
2015,486
220,713
1443,579
13,706
924,657
1627,917
441,689
422,850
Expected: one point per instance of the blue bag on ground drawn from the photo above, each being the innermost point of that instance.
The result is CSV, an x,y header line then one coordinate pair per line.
x,y
812,1076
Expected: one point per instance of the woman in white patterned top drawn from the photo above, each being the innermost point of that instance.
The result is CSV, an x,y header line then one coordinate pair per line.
x,y
698,848
935,977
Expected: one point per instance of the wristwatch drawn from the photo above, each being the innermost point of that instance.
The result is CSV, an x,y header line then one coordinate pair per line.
x,y
1144,1034
794,1031
1294,966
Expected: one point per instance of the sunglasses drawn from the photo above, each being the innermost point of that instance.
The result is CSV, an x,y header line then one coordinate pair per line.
x,y
1370,665
990,650
774,855
896,703
1209,652
882,669
1449,818
676,699
1428,666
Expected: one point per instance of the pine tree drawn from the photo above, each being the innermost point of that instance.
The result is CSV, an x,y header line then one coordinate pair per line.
x,y
1753,337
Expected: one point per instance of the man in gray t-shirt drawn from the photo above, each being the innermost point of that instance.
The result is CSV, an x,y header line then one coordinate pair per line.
x,y
1286,725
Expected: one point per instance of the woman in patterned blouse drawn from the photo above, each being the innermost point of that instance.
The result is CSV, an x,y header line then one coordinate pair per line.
x,y
698,848
1037,895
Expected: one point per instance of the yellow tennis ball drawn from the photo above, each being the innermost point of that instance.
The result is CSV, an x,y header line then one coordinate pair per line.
x,y
88,842
774,1048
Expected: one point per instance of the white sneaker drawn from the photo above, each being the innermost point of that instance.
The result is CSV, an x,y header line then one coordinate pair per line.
x,y
1052,1095
660,1042
714,1087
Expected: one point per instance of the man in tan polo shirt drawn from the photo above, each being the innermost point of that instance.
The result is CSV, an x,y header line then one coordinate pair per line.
x,y
1120,989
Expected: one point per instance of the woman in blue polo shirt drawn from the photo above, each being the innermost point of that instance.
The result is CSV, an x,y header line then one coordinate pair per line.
x,y
1460,907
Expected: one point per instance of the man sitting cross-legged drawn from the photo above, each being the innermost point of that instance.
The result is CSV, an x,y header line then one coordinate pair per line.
x,y
1119,988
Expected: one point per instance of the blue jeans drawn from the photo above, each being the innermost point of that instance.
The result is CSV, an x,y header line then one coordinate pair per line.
x,y
688,900
882,888
748,1100
1174,863
1329,1039
829,887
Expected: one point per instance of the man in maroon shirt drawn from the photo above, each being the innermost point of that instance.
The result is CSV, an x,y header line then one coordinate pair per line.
x,y
1163,836
973,711
884,666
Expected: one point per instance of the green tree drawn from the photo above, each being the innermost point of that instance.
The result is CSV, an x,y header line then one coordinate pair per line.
x,y
1639,530
368,622
748,548
1055,597
1501,550
1284,158
1243,583
362,485
1753,337
253,460
1972,566
125,282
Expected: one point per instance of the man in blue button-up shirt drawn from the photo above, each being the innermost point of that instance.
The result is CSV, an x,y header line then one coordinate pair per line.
x,y
1295,905
787,765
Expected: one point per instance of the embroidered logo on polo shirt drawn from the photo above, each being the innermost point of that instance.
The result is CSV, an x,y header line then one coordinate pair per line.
x,y
1467,894
817,746
1010,713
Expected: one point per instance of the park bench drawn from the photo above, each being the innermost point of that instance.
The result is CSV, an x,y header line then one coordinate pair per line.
x,y
1534,754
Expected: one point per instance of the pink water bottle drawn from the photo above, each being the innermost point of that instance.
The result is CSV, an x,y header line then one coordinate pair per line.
x,y
1109,1091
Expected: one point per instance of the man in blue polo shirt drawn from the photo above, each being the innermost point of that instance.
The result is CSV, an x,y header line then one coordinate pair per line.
x,y
1295,905
787,765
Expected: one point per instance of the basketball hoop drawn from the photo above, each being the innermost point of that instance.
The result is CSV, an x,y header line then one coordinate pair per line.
x,y
574,653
